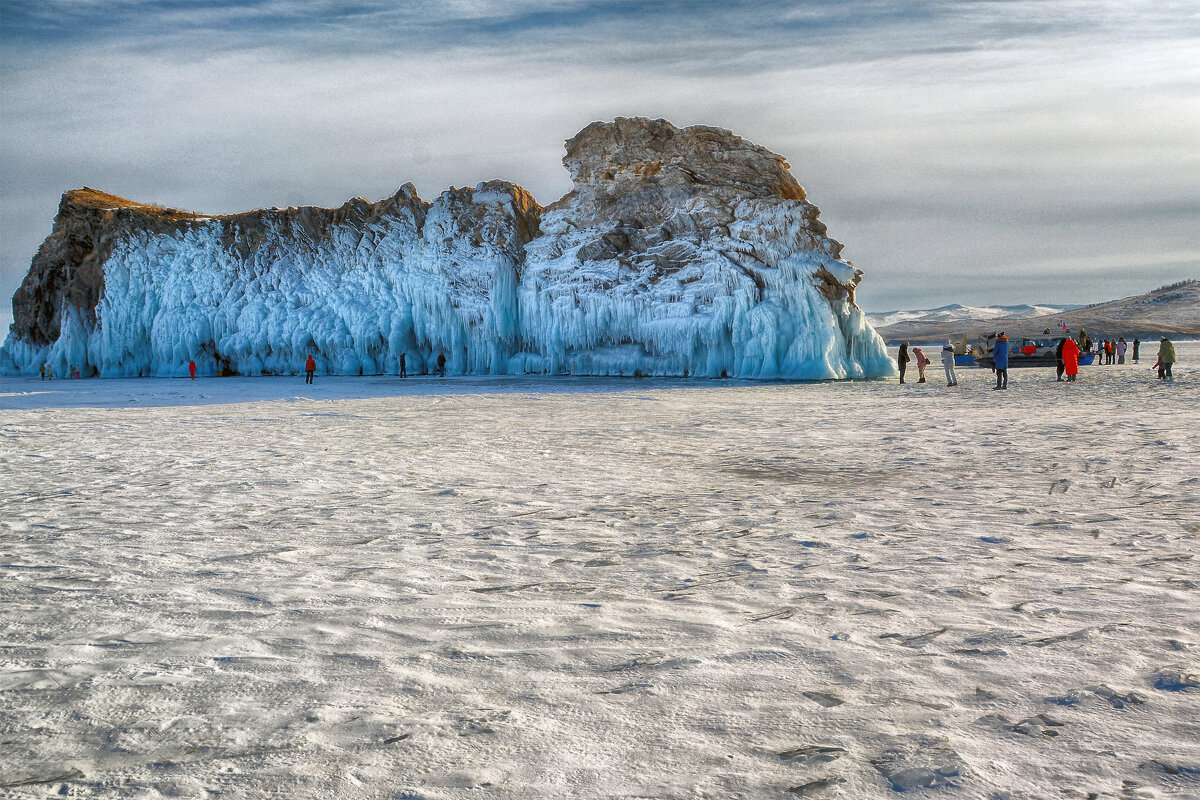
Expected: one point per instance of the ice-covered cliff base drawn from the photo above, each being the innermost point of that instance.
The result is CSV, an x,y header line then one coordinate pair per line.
x,y
678,252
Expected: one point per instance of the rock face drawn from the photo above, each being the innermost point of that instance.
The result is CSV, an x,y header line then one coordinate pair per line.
x,y
678,252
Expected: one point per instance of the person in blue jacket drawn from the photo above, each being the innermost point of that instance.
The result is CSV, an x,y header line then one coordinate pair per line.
x,y
1000,361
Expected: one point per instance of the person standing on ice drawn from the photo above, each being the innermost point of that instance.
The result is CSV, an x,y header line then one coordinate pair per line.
x,y
1070,359
192,369
1166,357
1121,348
42,371
1000,361
902,359
1137,345
310,366
441,364
403,368
922,363
1058,355
948,364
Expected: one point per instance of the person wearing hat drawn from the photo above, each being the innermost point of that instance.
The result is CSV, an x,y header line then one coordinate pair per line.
x,y
1000,361
922,362
948,364
902,359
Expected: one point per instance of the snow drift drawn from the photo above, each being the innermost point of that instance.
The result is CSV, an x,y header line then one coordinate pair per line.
x,y
679,252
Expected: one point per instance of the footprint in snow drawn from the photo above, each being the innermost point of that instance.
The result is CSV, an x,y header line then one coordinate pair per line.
x,y
626,688
1039,725
920,767
813,754
1172,768
920,640
1175,679
814,788
824,699
653,661
1118,700
1114,698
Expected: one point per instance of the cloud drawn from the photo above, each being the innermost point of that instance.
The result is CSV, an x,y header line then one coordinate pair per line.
x,y
949,144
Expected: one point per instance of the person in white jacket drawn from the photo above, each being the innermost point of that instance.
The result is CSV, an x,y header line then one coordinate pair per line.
x,y
948,363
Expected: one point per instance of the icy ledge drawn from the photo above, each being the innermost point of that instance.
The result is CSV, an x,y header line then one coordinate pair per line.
x,y
681,252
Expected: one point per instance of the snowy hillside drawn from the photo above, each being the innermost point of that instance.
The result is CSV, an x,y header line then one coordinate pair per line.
x,y
1172,311
678,252
955,311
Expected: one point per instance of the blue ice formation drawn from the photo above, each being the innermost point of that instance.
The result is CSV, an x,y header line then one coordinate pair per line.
x,y
677,253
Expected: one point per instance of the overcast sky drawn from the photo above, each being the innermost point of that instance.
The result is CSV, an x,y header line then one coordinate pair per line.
x,y
973,152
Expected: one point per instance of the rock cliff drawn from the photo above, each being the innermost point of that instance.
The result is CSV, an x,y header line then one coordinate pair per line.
x,y
677,252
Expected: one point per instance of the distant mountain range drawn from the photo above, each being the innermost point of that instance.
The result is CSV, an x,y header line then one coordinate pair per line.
x,y
956,312
1172,310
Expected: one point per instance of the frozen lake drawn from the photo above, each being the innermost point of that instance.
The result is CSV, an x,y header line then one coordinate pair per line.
x,y
558,588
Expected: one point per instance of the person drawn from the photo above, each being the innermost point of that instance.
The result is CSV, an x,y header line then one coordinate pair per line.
x,y
42,371
192,369
1166,356
49,372
922,363
948,364
1000,361
310,367
902,359
1058,355
403,368
1137,345
1069,359
1108,352
1122,346
441,364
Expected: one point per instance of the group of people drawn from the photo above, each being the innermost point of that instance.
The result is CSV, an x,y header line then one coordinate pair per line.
x,y
1067,355
1113,351
310,367
922,360
47,372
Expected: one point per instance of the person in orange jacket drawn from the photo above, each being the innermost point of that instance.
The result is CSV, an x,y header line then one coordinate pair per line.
x,y
1070,357
192,369
310,367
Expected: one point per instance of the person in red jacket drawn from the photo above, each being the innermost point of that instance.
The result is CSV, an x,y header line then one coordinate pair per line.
x,y
1070,357
192,369
310,366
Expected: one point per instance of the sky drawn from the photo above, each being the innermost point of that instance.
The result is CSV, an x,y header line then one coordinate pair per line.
x,y
976,152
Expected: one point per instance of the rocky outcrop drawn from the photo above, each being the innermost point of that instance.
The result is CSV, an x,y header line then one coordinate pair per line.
x,y
677,252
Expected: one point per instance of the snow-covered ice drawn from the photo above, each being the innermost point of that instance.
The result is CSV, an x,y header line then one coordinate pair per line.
x,y
563,587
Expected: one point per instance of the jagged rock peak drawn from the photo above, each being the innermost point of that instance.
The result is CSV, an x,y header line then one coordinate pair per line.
x,y
700,157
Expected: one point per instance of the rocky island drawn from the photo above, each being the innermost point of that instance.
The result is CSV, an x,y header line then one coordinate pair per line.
x,y
678,252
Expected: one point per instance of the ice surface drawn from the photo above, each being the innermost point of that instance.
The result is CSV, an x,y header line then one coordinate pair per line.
x,y
551,587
